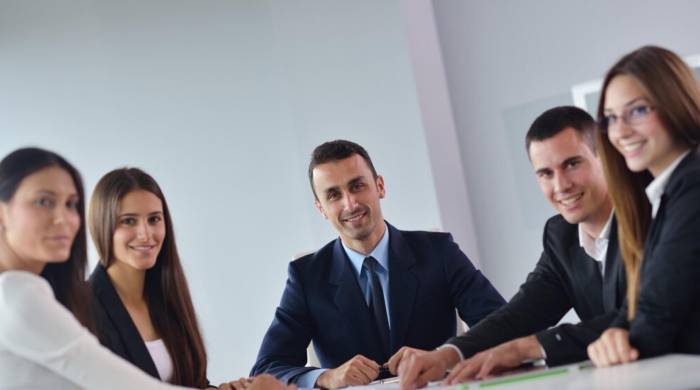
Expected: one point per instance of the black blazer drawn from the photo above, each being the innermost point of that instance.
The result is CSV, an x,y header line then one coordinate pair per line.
x,y
428,278
115,329
565,277
668,308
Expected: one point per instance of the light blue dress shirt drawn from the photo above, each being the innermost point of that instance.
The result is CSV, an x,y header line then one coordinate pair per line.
x,y
308,379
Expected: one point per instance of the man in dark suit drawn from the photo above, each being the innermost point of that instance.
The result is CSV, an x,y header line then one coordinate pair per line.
x,y
375,289
580,268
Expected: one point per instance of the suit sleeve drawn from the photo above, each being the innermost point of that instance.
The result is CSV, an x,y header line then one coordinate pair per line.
x,y
669,285
283,350
567,343
540,303
472,294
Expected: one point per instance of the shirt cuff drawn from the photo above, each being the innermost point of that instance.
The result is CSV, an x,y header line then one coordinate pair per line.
x,y
454,347
308,379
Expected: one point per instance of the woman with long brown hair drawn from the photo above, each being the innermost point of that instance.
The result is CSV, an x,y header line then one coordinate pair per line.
x,y
649,114
43,298
143,307
141,300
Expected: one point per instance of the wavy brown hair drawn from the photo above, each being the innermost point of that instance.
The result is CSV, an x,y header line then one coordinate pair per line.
x,y
674,92
165,288
67,279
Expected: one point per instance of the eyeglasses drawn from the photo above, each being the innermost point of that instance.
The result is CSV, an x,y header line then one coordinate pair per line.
x,y
634,115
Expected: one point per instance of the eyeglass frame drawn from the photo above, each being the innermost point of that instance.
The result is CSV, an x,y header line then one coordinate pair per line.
x,y
627,116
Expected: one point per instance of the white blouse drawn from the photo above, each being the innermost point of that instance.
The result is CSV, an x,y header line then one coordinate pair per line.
x,y
42,346
161,358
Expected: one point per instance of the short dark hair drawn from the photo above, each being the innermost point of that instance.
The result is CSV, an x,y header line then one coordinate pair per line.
x,y
556,120
339,149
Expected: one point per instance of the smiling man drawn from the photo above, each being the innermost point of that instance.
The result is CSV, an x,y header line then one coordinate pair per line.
x,y
580,267
373,290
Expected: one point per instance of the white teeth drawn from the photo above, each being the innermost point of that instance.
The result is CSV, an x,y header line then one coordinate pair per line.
x,y
571,199
632,147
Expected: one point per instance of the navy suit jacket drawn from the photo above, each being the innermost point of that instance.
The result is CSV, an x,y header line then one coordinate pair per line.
x,y
429,277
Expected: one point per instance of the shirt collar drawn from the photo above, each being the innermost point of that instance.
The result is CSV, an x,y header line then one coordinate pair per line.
x,y
592,246
380,252
655,189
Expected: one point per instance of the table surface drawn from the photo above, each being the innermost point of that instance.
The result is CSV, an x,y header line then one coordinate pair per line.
x,y
665,372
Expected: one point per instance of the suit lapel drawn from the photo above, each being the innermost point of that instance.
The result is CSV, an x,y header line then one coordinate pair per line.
x,y
590,279
351,304
403,284
123,325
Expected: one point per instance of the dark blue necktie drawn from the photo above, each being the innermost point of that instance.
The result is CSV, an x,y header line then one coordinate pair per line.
x,y
376,304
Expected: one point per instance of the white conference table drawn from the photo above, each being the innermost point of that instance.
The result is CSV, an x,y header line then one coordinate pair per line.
x,y
666,372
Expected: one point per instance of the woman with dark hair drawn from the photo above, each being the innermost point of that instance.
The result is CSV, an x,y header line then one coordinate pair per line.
x,y
43,304
143,305
650,127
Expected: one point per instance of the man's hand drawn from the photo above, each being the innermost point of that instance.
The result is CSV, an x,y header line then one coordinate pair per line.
x,y
260,382
239,384
613,347
500,358
402,354
355,372
418,369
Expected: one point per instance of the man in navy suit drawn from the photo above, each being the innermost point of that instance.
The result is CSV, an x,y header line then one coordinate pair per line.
x,y
363,296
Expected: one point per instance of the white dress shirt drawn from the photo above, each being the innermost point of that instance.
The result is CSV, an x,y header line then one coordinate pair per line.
x,y
42,346
597,248
656,188
161,358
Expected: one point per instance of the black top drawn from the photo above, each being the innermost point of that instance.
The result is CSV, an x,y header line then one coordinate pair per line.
x,y
115,329
668,309
565,277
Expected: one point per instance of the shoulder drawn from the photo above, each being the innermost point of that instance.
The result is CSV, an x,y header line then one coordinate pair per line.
x,y
19,286
558,233
421,238
686,176
315,259
22,293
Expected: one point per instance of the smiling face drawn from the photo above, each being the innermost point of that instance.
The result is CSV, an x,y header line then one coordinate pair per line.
x,y
348,196
647,143
138,236
571,177
41,220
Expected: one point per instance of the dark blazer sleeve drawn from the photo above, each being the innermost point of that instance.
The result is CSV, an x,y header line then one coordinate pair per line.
x,y
540,302
567,343
283,350
471,292
669,287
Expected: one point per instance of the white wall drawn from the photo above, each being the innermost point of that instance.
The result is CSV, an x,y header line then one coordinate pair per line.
x,y
222,102
507,61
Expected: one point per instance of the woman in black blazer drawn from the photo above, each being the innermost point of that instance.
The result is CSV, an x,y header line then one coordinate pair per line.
x,y
650,127
142,304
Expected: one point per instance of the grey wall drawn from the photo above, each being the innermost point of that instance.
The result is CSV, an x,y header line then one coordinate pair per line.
x,y
506,61
222,102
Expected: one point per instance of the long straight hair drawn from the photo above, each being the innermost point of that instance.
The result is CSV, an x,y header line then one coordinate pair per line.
x,y
674,92
67,278
165,289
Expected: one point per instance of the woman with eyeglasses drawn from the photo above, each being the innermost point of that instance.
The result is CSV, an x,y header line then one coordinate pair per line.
x,y
650,127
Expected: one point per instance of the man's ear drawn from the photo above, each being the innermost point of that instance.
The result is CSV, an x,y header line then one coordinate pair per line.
x,y
320,208
3,211
380,186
